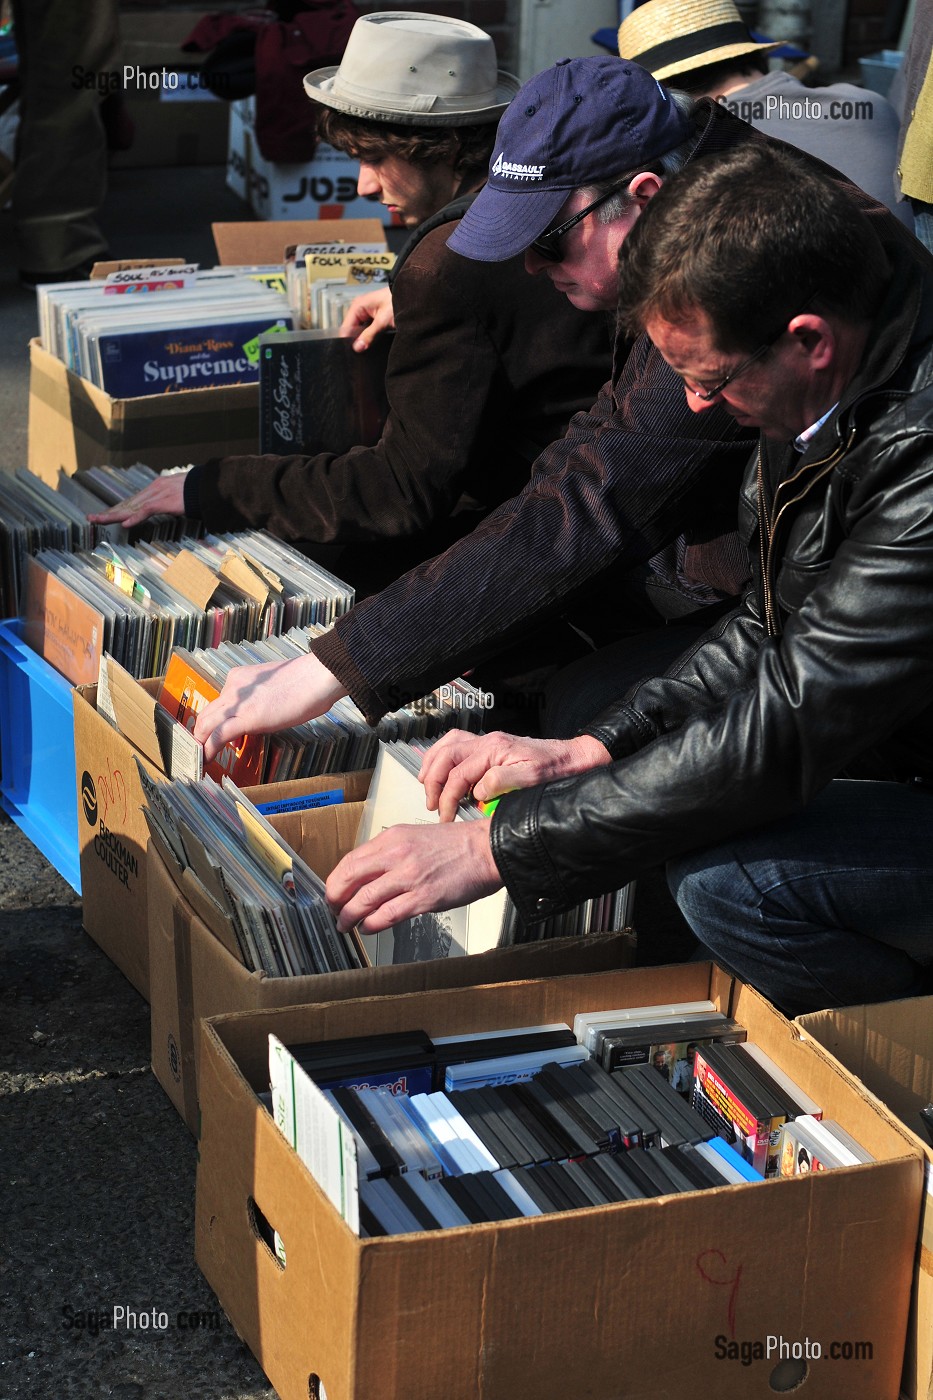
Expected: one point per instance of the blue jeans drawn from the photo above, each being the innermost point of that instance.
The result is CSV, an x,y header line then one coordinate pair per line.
x,y
831,907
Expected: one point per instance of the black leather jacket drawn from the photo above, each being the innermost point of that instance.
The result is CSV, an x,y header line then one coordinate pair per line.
x,y
825,671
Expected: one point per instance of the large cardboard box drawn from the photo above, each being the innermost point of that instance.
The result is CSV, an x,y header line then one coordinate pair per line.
x,y
648,1300
112,832
193,973
323,188
184,125
888,1047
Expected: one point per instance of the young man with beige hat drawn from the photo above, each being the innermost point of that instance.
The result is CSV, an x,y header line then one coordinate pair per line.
x,y
702,47
486,368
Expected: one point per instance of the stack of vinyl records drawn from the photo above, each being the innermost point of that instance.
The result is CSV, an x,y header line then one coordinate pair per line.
x,y
274,900
34,516
339,741
322,279
194,329
139,602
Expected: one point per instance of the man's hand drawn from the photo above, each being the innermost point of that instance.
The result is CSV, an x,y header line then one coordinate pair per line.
x,y
264,699
368,316
490,764
410,870
164,496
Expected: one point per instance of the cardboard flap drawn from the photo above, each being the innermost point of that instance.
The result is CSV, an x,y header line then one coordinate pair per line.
x,y
61,627
244,576
265,242
122,700
191,578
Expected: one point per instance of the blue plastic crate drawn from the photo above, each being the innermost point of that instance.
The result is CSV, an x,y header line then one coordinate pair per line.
x,y
37,752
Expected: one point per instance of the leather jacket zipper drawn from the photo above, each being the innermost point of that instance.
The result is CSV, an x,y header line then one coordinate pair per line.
x,y
768,525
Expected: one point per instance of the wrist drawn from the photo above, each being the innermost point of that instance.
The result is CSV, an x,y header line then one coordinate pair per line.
x,y
326,686
586,753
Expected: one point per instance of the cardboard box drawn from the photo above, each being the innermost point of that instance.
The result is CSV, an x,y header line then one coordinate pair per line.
x,y
888,1048
194,972
641,1299
73,424
324,188
187,127
112,832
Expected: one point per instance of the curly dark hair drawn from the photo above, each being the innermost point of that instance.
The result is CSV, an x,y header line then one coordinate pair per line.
x,y
466,148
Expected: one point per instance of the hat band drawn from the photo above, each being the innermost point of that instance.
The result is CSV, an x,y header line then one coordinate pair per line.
x,y
410,102
693,45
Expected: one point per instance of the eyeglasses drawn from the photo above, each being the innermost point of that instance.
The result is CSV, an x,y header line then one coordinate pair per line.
x,y
546,246
707,395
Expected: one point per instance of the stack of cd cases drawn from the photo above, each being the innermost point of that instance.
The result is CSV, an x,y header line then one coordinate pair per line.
x,y
566,1136
508,1123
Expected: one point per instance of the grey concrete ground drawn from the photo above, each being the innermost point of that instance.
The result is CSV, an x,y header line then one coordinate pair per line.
x,y
98,1171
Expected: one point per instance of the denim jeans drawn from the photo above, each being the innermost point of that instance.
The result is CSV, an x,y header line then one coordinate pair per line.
x,y
830,907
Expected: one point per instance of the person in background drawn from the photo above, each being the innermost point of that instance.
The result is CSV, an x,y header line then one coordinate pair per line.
x,y
68,56
486,368
702,47
915,145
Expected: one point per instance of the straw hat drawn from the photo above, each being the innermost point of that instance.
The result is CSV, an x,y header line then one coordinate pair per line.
x,y
676,36
420,70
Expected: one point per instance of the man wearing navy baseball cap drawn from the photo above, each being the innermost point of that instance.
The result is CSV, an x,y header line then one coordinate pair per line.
x,y
585,127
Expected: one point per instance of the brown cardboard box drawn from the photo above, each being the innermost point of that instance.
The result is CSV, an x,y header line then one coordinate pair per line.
x,y
174,133
73,424
641,1300
193,974
888,1047
112,833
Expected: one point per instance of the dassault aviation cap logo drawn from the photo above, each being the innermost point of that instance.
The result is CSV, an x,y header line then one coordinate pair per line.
x,y
510,170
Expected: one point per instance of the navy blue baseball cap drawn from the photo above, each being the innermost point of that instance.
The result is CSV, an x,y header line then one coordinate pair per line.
x,y
578,123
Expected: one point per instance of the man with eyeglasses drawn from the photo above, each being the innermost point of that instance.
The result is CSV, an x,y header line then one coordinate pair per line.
x,y
628,521
784,767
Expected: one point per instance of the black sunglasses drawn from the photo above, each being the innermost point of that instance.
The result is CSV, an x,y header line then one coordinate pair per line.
x,y
546,245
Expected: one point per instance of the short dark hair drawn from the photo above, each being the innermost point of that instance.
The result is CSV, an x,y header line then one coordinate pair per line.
x,y
698,81
466,148
749,237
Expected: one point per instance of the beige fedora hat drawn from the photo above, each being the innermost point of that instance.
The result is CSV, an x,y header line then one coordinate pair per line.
x,y
421,70
675,36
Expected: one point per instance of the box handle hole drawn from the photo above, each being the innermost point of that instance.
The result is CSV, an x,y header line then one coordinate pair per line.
x,y
316,1389
265,1232
789,1375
